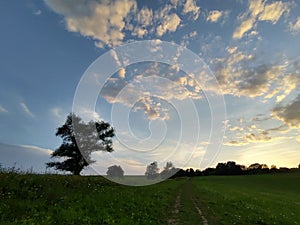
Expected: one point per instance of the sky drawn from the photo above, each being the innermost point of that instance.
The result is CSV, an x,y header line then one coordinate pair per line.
x,y
242,103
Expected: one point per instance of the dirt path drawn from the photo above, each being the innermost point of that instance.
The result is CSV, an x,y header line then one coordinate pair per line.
x,y
175,211
204,220
186,208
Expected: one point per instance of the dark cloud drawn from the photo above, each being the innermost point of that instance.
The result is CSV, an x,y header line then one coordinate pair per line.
x,y
289,114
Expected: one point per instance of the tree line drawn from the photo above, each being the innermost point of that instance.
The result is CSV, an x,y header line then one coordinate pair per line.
x,y
80,139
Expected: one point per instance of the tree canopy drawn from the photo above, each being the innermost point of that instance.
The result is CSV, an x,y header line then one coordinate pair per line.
x,y
152,170
115,171
80,139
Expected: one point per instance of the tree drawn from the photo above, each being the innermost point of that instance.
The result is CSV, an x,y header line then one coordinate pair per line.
x,y
80,139
115,171
169,170
152,170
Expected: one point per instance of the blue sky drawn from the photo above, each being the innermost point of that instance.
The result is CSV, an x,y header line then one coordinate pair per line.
x,y
251,47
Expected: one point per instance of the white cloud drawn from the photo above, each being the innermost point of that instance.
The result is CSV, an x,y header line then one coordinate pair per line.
x,y
26,109
256,7
258,10
3,110
190,6
57,112
236,143
296,26
145,16
103,21
38,12
169,23
243,28
272,12
214,16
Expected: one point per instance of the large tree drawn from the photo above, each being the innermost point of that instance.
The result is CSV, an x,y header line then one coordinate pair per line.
x,y
80,139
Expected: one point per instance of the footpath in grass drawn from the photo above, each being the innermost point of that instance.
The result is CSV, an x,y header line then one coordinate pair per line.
x,y
255,199
54,199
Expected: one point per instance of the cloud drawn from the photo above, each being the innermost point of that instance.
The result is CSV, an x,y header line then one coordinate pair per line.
x,y
258,10
296,26
169,23
236,143
272,12
3,110
57,112
37,12
236,128
144,22
243,28
256,7
26,109
122,73
214,16
162,81
236,76
24,157
190,6
289,114
145,16
282,129
261,137
103,21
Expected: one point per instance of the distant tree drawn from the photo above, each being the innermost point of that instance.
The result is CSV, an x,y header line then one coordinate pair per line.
x,y
273,168
115,171
209,171
255,166
169,170
198,172
80,139
190,172
299,166
229,168
179,173
152,170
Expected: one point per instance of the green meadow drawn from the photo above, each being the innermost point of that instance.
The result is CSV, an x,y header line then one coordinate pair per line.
x,y
58,199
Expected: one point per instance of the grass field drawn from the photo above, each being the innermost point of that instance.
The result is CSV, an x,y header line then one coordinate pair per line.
x,y
55,199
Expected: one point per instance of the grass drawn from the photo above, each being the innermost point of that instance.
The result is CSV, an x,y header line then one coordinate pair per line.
x,y
57,199
256,199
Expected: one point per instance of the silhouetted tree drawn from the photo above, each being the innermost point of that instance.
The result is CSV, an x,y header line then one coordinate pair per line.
x,y
90,137
209,171
190,172
229,168
169,170
198,172
115,171
179,173
152,170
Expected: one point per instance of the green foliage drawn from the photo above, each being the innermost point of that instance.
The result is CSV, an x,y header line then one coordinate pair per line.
x,y
152,170
115,171
80,139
